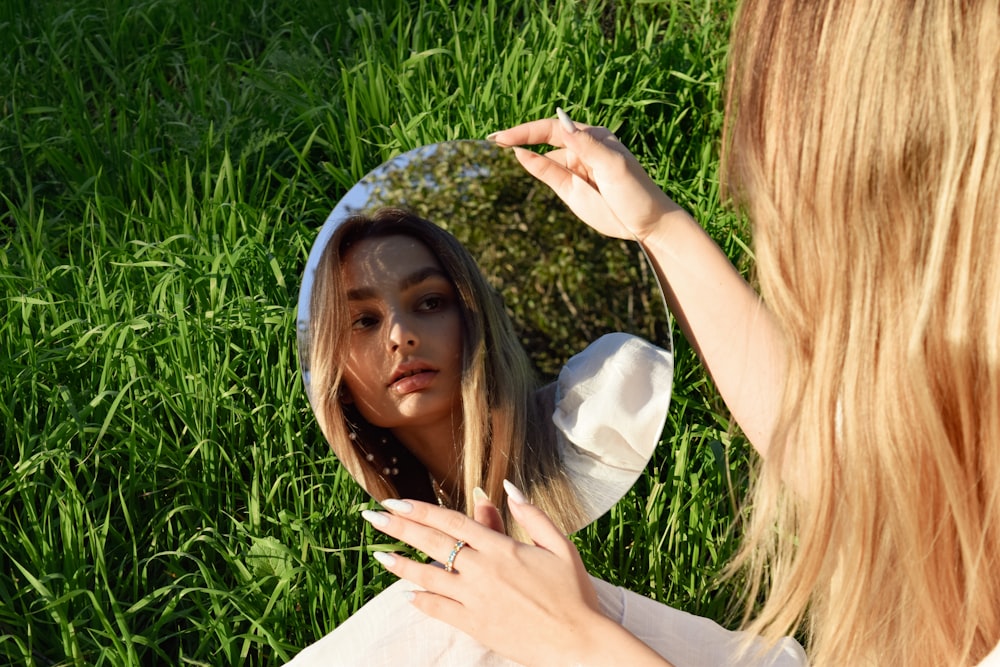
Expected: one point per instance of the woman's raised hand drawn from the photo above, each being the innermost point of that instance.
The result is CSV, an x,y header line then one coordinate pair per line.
x,y
597,177
606,187
533,603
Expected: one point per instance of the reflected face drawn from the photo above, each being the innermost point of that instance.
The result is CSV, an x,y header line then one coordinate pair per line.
x,y
404,367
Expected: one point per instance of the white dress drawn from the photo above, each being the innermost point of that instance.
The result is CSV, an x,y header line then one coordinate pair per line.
x,y
610,407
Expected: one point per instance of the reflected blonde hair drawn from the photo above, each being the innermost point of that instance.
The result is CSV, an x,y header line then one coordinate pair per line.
x,y
862,138
505,432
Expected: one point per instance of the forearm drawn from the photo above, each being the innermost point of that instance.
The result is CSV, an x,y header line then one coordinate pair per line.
x,y
724,319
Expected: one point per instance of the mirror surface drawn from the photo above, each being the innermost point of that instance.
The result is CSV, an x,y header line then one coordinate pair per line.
x,y
562,284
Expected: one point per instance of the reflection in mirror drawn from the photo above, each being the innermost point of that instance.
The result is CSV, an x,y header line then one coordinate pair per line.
x,y
525,385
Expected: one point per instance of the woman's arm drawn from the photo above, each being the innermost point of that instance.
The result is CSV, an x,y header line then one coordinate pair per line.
x,y
720,314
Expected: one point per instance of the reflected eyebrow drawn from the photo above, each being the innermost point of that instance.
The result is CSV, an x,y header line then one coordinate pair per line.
x,y
415,278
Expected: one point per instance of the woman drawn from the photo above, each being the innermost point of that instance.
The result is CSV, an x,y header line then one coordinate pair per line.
x,y
406,337
860,138
454,404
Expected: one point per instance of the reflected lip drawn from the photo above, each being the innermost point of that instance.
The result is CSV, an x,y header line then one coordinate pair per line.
x,y
407,369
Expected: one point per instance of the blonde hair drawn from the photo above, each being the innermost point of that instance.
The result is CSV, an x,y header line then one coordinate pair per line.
x,y
862,139
505,432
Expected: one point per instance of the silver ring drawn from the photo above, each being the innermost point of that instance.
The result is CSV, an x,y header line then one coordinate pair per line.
x,y
449,565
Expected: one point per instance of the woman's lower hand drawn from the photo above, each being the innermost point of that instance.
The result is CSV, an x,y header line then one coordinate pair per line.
x,y
594,174
533,603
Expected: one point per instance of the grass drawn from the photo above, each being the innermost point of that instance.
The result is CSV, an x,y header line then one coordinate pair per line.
x,y
165,494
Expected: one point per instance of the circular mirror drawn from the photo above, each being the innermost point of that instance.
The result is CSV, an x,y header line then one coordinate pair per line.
x,y
582,307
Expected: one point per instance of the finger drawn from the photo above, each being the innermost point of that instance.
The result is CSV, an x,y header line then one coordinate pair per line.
x,y
573,188
441,607
433,542
547,131
544,131
620,178
454,524
569,161
485,512
537,524
429,577
579,194
430,528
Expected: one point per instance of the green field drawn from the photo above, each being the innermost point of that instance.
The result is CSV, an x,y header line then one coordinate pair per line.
x,y
165,494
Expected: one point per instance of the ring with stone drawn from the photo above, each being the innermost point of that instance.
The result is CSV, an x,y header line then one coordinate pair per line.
x,y
449,565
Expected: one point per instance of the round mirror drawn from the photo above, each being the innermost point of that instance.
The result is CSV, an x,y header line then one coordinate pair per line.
x,y
580,306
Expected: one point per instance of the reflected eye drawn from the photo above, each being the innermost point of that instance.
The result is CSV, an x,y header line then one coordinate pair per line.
x,y
361,322
431,304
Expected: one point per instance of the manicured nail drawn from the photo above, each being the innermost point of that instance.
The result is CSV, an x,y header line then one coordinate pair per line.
x,y
384,557
409,596
395,505
378,519
514,494
492,138
479,496
566,121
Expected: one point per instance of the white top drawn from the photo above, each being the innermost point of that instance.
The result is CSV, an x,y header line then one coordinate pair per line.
x,y
993,659
390,632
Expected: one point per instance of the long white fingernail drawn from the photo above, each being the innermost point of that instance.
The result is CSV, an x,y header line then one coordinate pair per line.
x,y
395,505
566,121
378,519
479,496
385,558
514,494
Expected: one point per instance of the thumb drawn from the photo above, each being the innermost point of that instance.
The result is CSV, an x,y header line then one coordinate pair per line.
x,y
485,512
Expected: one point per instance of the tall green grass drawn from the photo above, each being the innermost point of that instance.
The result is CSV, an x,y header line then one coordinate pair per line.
x,y
165,495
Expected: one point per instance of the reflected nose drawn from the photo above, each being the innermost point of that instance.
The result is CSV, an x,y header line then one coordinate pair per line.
x,y
401,332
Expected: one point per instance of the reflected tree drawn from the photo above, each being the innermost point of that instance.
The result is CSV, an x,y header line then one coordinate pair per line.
x,y
563,284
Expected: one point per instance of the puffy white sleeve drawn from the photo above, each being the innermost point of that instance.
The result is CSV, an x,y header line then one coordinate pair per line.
x,y
993,659
610,407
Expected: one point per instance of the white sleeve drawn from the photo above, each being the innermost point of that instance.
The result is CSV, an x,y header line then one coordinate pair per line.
x,y
689,640
610,407
993,659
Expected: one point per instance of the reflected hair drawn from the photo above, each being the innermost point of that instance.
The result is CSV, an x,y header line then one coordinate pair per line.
x,y
506,433
862,140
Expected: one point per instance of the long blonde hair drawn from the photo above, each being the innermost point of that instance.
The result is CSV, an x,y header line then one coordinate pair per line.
x,y
862,138
505,432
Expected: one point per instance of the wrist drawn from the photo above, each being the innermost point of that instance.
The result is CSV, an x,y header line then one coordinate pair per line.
x,y
668,224
602,641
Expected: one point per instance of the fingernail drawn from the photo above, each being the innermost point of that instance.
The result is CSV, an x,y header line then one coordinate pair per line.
x,y
384,557
492,138
479,496
409,596
395,505
566,121
379,519
514,494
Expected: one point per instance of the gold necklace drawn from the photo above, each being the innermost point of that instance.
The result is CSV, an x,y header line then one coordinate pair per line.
x,y
442,497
